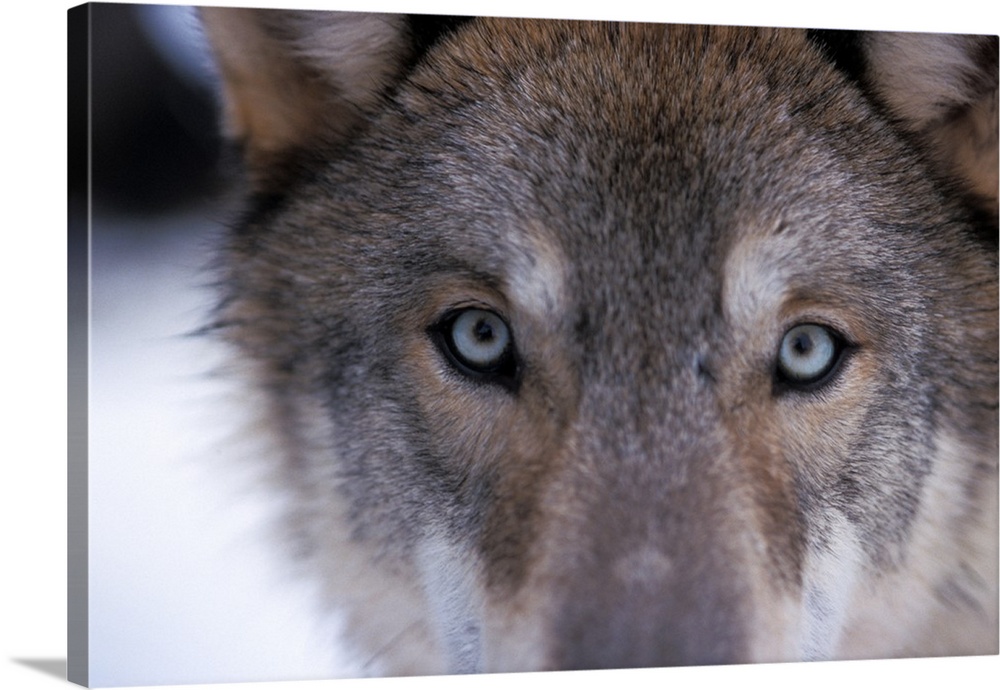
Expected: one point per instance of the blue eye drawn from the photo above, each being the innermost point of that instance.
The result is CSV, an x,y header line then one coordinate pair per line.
x,y
479,344
480,339
808,354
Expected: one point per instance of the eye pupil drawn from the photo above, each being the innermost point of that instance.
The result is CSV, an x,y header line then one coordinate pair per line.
x,y
484,332
802,344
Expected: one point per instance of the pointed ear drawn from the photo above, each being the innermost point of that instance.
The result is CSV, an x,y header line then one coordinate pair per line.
x,y
943,89
296,81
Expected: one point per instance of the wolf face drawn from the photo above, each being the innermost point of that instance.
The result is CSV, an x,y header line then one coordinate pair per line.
x,y
603,345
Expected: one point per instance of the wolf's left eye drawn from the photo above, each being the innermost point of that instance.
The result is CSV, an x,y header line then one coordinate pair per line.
x,y
808,355
478,343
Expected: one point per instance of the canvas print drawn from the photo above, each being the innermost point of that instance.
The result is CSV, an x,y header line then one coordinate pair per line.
x,y
567,345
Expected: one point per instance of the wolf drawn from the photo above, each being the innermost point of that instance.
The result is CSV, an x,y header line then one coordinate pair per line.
x,y
601,345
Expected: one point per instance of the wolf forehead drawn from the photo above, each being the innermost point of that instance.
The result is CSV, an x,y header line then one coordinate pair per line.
x,y
607,136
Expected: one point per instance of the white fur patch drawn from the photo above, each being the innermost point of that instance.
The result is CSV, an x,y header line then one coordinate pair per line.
x,y
537,280
830,577
953,545
450,585
755,280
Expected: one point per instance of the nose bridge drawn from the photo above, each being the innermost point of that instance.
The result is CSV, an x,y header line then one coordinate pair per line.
x,y
650,337
649,392
657,541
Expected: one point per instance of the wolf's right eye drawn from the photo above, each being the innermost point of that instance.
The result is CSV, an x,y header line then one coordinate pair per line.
x,y
809,355
479,344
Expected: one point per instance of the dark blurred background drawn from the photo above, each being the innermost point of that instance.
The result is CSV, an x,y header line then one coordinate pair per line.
x,y
155,141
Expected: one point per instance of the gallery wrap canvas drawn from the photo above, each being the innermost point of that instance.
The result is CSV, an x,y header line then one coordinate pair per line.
x,y
422,345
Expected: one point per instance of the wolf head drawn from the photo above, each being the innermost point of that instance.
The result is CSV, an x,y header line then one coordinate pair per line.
x,y
604,345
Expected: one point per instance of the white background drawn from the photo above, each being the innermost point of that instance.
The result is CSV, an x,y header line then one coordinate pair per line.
x,y
33,484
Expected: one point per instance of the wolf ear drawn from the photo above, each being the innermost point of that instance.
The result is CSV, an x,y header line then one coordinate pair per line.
x,y
295,81
942,88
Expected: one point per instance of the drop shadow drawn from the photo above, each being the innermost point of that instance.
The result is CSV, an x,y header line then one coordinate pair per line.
x,y
51,667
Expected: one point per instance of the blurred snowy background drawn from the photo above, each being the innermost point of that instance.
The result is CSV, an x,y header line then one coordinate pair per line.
x,y
184,586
